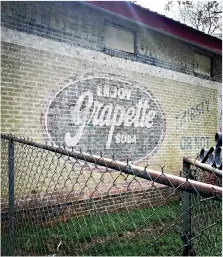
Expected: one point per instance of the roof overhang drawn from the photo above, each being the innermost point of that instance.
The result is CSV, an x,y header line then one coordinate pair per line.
x,y
160,23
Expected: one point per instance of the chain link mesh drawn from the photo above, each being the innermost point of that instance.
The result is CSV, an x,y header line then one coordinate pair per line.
x,y
206,216
69,206
4,190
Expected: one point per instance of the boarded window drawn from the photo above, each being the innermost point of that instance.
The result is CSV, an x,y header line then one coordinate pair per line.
x,y
202,64
119,39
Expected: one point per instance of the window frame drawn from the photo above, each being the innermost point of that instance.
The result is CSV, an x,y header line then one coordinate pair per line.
x,y
196,71
116,51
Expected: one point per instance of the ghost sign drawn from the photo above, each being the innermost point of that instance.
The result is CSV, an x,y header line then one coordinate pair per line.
x,y
105,114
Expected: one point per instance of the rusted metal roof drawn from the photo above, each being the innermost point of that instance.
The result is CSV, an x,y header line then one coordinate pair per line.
x,y
161,23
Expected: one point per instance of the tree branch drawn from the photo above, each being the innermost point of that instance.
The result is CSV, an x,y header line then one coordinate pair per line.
x,y
202,15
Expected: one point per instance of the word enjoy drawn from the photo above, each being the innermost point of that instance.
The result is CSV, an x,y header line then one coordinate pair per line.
x,y
114,92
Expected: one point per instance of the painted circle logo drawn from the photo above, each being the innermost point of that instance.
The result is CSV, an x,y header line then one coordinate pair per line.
x,y
106,115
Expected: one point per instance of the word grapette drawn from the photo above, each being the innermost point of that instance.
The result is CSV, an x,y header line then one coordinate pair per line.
x,y
105,114
192,113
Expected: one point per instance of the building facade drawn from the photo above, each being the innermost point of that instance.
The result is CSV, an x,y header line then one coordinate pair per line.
x,y
90,77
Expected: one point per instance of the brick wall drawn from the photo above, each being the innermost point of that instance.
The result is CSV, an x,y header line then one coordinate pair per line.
x,y
47,45
48,214
78,24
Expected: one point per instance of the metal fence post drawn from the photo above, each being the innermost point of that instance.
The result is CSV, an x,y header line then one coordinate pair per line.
x,y
186,200
11,195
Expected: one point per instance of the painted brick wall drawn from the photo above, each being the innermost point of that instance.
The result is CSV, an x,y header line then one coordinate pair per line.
x,y
36,75
46,45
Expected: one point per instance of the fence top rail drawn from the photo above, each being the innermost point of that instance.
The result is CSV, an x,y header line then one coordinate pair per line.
x,y
185,184
203,166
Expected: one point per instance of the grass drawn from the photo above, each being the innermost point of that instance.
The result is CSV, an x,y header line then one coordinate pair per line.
x,y
138,232
101,234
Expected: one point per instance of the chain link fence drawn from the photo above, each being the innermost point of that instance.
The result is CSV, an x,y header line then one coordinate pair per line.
x,y
60,202
203,219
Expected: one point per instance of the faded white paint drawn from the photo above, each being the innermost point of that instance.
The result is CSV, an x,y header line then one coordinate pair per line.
x,y
114,92
89,111
110,116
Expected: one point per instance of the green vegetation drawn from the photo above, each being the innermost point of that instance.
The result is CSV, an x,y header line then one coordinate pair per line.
x,y
120,233
145,231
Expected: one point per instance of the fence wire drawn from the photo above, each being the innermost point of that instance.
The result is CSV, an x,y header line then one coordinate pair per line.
x,y
205,215
66,205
